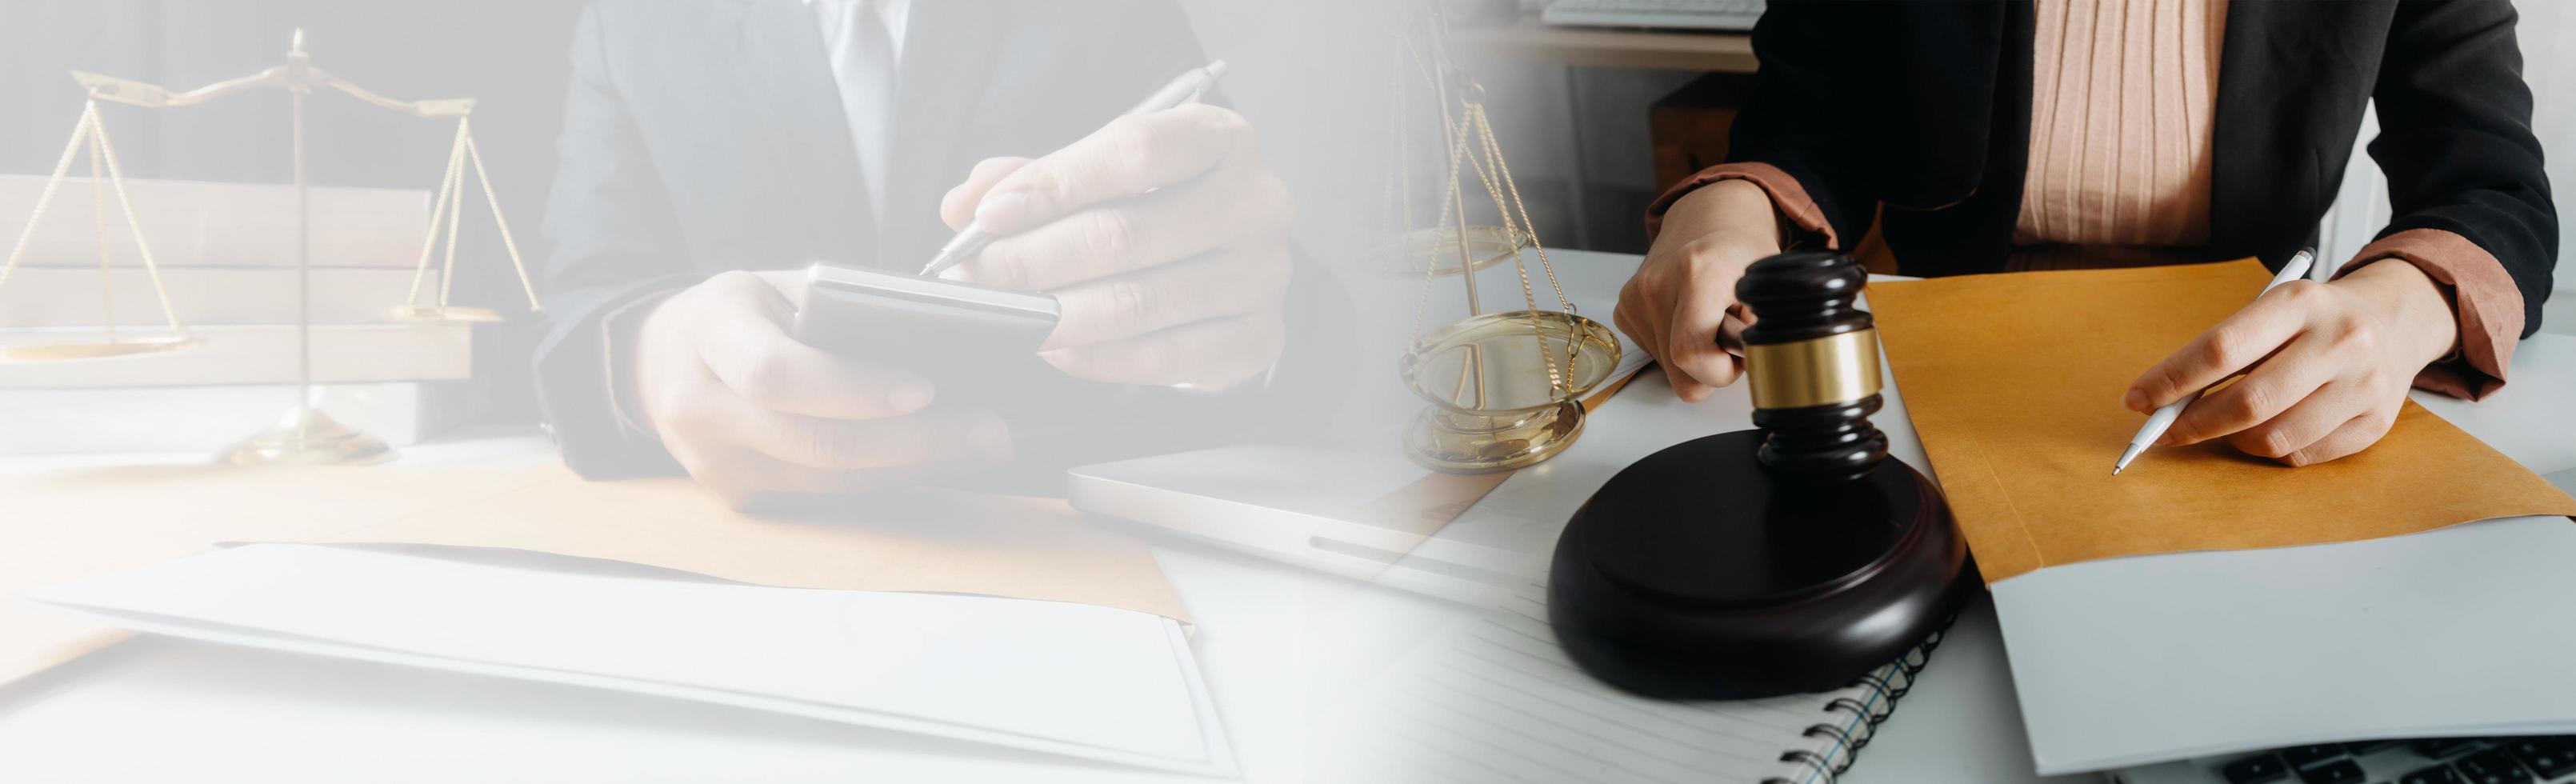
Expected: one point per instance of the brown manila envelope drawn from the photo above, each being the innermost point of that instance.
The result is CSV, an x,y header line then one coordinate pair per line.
x,y
2014,380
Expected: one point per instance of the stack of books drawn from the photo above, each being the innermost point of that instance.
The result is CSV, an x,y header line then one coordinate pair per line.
x,y
227,257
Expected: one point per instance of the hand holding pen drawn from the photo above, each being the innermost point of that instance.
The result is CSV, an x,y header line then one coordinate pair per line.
x,y
2326,366
971,238
1163,237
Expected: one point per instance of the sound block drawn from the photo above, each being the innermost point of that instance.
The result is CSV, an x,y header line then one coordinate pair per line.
x,y
1697,573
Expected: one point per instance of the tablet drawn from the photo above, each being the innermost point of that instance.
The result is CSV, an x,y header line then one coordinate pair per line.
x,y
967,339
866,311
849,282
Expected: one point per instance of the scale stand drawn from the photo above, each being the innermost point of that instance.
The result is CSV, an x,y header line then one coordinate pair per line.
x,y
1504,388
304,435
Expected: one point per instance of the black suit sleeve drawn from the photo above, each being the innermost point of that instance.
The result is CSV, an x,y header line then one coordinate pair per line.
x,y
614,241
2456,143
1816,67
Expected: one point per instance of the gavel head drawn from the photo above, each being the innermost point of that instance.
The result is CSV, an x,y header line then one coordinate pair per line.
x,y
1811,362
1765,562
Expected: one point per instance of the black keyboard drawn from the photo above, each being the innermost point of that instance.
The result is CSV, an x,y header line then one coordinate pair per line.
x,y
2513,760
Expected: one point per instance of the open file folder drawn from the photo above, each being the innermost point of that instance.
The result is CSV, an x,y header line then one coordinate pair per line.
x,y
2205,602
1056,677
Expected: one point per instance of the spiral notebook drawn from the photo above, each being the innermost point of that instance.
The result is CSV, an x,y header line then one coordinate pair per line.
x,y
1494,699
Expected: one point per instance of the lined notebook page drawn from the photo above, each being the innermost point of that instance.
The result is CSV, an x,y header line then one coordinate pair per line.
x,y
1494,699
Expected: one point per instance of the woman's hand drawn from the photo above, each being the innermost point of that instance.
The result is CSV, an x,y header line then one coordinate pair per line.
x,y
1683,293
2326,365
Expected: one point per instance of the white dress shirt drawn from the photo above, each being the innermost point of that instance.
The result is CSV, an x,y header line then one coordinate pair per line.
x,y
855,62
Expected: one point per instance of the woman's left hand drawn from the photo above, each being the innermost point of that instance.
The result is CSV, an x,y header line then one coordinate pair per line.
x,y
2326,365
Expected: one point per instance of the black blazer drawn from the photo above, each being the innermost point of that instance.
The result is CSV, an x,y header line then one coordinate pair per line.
x,y
702,136
1924,106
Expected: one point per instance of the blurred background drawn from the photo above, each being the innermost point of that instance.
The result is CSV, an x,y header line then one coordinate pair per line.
x,y
1590,143
509,55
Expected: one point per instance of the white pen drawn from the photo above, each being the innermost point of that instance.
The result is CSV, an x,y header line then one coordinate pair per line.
x,y
1183,89
2165,415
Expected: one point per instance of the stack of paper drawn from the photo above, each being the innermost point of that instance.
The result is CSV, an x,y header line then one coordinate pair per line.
x,y
216,224
198,420
226,255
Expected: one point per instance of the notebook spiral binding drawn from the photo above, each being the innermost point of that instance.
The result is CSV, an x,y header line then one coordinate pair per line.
x,y
1887,685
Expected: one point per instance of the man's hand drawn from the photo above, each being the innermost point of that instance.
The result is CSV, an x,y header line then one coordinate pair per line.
x,y
753,413
1685,291
1162,235
2326,365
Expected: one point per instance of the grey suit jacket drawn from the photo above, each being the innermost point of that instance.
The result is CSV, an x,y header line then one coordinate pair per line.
x,y
702,136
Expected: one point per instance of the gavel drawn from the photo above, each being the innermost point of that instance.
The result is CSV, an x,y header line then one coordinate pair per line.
x,y
1787,559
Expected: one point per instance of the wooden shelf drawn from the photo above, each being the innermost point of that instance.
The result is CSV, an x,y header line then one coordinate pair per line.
x,y
1529,40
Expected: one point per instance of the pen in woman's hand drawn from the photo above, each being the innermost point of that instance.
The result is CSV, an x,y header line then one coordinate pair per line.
x,y
2165,415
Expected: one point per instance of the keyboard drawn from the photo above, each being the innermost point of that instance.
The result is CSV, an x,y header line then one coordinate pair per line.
x,y
2511,760
1676,14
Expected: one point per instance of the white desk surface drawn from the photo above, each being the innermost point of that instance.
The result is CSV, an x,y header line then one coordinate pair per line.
x,y
1272,641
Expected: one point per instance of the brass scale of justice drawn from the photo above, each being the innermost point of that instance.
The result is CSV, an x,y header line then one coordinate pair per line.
x,y
1793,558
303,435
1505,388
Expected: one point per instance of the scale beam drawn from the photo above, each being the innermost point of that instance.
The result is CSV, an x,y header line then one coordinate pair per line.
x,y
304,435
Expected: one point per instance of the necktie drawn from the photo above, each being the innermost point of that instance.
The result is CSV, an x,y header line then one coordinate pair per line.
x,y
863,65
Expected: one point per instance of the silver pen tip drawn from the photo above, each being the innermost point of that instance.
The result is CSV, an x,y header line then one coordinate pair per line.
x,y
2127,455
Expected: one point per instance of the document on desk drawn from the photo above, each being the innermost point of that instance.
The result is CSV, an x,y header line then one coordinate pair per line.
x,y
2461,631
2013,382
2205,602
1077,680
71,524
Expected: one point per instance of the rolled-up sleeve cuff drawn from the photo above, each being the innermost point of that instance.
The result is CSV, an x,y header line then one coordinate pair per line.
x,y
1799,215
2490,307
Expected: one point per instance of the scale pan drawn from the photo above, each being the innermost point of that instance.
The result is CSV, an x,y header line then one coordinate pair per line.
x,y
1469,444
1491,364
77,352
1435,251
441,314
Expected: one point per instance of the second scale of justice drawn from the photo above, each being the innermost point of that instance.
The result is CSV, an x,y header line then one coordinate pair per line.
x,y
1505,387
302,435
1791,558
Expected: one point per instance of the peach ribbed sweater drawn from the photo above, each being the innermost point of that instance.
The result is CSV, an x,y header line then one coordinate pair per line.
x,y
2121,100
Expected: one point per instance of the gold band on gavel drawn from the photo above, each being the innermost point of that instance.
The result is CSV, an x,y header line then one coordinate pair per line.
x,y
1831,369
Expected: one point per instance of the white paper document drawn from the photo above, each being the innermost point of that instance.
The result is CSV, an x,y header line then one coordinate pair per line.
x,y
1077,680
2460,631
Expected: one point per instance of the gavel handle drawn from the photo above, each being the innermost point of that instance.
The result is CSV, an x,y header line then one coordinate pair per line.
x,y
1730,334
